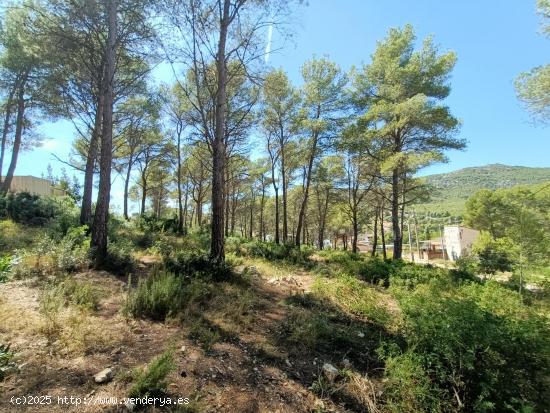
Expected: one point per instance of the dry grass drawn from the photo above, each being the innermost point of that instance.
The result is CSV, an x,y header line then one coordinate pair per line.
x,y
18,320
233,308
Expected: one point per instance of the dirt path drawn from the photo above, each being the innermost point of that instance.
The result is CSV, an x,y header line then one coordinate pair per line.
x,y
243,373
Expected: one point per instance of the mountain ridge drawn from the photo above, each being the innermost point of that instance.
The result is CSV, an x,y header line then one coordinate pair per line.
x,y
450,190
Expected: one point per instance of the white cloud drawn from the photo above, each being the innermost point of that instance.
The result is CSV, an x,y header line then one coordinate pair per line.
x,y
50,144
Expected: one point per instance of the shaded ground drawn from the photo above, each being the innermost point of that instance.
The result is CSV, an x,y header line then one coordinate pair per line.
x,y
253,367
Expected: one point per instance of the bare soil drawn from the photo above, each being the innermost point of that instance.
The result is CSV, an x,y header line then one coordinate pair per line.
x,y
241,373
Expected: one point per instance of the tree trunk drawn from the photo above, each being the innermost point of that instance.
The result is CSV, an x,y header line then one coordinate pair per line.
x,y
382,233
303,207
375,235
19,124
323,220
283,177
99,227
86,208
276,189
127,185
180,202
199,213
7,118
262,205
227,199
251,227
233,210
217,251
304,232
355,225
185,207
192,216
397,234
143,193
91,158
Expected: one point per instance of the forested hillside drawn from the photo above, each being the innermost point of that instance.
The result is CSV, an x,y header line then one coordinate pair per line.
x,y
451,190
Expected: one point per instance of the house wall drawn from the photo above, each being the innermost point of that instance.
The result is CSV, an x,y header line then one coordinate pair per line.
x,y
459,240
34,186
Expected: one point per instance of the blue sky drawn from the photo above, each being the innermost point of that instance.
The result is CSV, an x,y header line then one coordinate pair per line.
x,y
494,40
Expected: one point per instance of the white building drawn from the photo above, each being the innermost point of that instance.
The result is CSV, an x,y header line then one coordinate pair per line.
x,y
458,240
34,186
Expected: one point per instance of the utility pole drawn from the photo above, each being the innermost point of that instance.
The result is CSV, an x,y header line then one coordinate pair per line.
x,y
416,235
443,244
410,239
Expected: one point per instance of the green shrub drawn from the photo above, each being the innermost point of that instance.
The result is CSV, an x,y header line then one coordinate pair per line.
x,y
67,216
49,256
7,365
14,236
376,271
467,268
480,343
165,294
5,267
80,293
355,296
270,250
70,291
338,256
204,334
120,257
26,208
50,305
408,387
155,297
494,255
411,275
151,380
152,224
72,252
190,263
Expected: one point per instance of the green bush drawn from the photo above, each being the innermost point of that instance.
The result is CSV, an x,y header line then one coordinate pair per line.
x,y
480,343
494,255
26,208
151,380
5,267
165,294
376,271
204,334
7,365
338,256
411,275
190,263
270,250
152,224
72,252
49,256
408,387
14,236
59,213
70,291
120,257
80,293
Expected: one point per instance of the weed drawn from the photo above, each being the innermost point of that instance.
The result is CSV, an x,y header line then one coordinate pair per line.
x,y
50,306
120,257
5,267
204,334
150,381
7,365
165,294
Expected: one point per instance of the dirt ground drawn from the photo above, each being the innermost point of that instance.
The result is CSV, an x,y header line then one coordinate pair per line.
x,y
245,373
